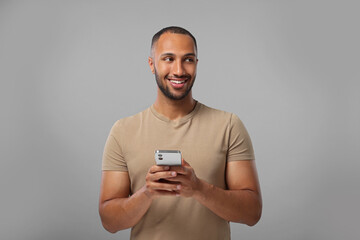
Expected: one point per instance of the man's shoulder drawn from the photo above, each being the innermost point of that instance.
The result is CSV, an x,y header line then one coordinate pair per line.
x,y
218,117
210,112
131,121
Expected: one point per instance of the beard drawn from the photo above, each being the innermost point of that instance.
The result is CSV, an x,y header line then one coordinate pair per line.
x,y
166,91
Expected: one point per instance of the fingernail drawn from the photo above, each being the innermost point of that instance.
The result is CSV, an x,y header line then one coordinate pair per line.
x,y
178,187
173,173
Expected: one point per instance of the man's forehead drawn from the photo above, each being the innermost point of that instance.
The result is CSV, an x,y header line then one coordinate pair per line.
x,y
169,42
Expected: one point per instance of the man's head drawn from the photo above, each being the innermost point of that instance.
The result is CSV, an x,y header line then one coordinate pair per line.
x,y
172,29
173,60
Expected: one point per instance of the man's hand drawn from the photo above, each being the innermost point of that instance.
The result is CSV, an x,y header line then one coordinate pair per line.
x,y
240,202
186,179
158,182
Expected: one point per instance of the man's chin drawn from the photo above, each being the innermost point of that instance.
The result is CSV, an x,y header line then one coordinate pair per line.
x,y
176,96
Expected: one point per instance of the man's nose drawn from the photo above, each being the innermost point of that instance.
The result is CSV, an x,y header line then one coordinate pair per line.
x,y
178,68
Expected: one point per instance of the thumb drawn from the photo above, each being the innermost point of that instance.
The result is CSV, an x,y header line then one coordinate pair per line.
x,y
184,163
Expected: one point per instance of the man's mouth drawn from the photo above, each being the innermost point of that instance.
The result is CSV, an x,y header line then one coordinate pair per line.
x,y
177,82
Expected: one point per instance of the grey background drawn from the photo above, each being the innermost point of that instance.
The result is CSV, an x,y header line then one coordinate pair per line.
x,y
288,69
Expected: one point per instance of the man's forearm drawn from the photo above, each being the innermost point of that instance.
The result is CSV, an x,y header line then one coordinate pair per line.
x,y
243,206
121,213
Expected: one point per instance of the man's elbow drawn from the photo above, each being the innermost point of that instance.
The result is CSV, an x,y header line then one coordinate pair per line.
x,y
108,222
255,216
254,220
251,216
109,228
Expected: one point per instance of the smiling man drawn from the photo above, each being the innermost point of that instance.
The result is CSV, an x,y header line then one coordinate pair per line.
x,y
181,72
217,181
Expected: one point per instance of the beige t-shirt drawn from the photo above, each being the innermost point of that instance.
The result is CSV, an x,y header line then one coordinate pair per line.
x,y
207,138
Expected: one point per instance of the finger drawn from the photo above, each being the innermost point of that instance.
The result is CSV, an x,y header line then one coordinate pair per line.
x,y
156,168
153,177
178,179
180,169
164,186
185,163
162,175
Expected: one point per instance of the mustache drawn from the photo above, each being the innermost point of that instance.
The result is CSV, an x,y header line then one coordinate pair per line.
x,y
177,76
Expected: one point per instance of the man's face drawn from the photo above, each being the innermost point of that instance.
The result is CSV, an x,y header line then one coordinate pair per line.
x,y
174,62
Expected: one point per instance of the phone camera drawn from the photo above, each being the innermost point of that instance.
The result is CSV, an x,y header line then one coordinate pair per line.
x,y
160,158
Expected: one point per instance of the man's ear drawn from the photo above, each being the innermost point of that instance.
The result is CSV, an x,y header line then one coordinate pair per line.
x,y
151,64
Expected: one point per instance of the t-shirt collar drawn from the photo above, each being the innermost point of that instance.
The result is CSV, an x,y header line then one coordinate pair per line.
x,y
177,121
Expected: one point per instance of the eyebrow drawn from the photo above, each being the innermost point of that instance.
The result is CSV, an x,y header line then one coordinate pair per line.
x,y
172,54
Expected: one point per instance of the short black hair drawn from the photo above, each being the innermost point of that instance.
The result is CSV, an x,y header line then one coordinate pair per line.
x,y
172,29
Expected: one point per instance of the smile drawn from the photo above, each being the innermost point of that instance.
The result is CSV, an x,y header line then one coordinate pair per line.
x,y
177,82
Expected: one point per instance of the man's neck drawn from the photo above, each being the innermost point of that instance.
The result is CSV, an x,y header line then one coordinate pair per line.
x,y
174,109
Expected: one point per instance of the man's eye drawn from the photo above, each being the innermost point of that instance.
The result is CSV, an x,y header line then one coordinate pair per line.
x,y
189,60
168,59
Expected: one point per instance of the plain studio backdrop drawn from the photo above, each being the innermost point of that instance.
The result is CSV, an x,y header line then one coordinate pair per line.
x,y
288,69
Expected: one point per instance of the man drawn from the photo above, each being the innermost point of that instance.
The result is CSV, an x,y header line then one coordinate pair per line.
x,y
217,181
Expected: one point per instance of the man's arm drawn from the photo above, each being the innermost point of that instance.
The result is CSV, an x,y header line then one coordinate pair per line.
x,y
241,202
119,211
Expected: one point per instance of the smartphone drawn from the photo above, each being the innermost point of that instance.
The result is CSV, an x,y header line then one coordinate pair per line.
x,y
168,157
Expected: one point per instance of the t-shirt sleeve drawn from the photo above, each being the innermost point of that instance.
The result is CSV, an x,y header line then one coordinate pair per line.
x,y
113,158
240,146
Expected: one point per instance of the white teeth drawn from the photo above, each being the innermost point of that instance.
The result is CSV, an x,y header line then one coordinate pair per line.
x,y
177,82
